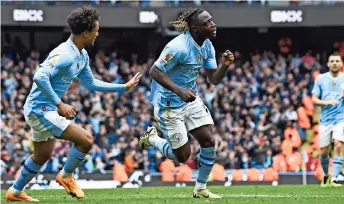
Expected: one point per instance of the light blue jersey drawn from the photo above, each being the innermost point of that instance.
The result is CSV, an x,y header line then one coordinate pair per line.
x,y
55,75
182,60
328,88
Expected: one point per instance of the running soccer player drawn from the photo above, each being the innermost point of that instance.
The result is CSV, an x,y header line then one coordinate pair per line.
x,y
177,107
49,117
328,92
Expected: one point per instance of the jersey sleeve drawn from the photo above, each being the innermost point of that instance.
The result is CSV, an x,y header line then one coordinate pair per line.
x,y
169,58
91,83
210,62
55,63
49,68
316,88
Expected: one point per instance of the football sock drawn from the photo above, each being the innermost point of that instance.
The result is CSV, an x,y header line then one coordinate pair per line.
x,y
324,163
337,166
206,162
29,170
75,157
164,147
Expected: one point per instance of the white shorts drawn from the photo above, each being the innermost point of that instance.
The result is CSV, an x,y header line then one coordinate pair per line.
x,y
176,123
331,132
47,126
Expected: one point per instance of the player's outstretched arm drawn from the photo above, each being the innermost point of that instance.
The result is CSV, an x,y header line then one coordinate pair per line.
x,y
164,80
91,83
215,75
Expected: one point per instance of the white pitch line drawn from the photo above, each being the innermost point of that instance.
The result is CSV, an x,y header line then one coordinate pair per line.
x,y
190,196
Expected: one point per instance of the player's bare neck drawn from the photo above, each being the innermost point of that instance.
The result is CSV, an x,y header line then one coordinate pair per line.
x,y
334,74
197,39
77,41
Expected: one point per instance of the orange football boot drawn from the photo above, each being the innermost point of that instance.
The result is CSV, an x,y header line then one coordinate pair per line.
x,y
70,186
20,197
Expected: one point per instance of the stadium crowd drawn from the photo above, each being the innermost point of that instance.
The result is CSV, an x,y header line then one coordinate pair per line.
x,y
262,111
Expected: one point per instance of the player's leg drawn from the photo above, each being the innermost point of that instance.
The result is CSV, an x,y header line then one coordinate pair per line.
x,y
83,141
338,135
207,155
199,124
171,123
325,139
43,142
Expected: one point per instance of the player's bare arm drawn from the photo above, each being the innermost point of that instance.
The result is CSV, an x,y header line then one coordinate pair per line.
x,y
319,102
215,76
164,80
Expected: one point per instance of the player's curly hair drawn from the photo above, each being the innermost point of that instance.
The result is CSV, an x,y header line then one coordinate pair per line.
x,y
182,24
83,19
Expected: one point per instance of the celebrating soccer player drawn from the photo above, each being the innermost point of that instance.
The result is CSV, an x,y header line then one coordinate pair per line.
x,y
177,107
328,92
49,117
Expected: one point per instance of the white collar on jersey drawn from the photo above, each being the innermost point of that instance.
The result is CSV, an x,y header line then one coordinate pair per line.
x,y
70,42
188,34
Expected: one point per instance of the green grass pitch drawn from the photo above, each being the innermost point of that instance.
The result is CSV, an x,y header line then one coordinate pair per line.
x,y
311,194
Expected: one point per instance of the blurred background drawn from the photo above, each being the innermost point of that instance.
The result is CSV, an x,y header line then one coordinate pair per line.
x,y
266,127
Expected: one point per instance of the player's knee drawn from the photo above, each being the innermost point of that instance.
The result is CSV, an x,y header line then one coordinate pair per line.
x,y
183,158
86,144
183,155
41,159
338,147
89,141
324,152
208,142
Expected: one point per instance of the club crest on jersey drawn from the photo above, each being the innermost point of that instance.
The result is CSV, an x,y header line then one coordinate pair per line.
x,y
334,84
168,57
53,60
199,58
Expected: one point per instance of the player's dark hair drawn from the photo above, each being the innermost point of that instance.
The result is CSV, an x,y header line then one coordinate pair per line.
x,y
337,54
182,24
83,19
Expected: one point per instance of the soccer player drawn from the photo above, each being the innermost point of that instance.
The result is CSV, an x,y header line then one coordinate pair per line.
x,y
177,107
328,92
49,117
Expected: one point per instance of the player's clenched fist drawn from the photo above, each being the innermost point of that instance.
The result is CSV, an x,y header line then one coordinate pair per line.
x,y
133,82
187,95
227,57
66,110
